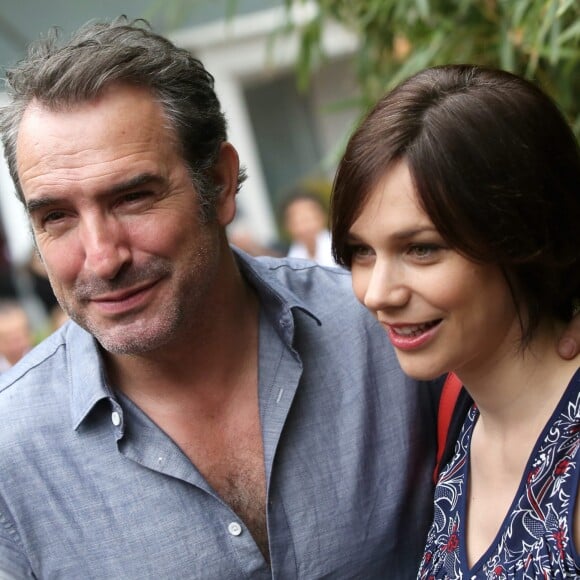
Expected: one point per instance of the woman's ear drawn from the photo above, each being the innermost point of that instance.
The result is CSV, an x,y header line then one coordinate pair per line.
x,y
569,341
226,172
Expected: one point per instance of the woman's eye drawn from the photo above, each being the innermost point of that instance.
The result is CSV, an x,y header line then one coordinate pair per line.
x,y
360,251
424,251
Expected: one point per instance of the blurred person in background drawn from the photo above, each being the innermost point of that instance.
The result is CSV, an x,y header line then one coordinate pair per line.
x,y
305,220
15,333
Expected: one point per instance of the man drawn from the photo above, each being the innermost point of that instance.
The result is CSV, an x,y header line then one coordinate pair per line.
x,y
205,414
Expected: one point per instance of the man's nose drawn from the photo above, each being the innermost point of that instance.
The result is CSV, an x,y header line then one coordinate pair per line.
x,y
106,246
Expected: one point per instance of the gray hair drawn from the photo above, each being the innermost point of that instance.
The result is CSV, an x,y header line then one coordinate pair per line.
x,y
100,54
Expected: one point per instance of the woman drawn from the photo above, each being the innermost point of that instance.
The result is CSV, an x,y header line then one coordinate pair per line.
x,y
457,208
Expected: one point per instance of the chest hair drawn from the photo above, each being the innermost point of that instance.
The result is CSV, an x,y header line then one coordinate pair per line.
x,y
233,464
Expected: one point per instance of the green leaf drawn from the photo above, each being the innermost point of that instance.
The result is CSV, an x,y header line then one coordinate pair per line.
x,y
536,38
572,32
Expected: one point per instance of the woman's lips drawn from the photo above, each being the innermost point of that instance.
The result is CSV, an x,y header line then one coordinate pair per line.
x,y
408,336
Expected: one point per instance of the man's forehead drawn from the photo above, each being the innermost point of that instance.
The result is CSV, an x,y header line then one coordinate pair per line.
x,y
117,117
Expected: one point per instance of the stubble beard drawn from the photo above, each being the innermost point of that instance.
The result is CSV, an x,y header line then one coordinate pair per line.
x,y
140,336
143,332
180,317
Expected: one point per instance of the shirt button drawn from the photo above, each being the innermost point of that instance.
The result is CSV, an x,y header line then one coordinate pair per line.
x,y
116,418
235,529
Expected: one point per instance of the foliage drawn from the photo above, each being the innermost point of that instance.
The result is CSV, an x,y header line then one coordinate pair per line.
x,y
539,39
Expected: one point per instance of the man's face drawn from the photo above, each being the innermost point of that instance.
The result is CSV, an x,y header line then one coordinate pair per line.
x,y
116,219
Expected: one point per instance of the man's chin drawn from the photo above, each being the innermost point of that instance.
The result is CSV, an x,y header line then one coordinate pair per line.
x,y
129,346
137,338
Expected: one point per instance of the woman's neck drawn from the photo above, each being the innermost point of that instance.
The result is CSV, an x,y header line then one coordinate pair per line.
x,y
521,385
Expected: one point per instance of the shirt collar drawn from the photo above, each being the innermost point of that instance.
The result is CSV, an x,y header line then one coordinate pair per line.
x,y
87,374
85,363
264,274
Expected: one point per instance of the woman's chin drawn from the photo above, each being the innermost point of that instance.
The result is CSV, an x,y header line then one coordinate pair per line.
x,y
420,371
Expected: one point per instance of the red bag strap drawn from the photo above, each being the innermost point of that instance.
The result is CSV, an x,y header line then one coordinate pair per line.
x,y
447,402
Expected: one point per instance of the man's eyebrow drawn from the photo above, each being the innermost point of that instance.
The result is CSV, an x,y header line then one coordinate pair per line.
x,y
137,181
39,203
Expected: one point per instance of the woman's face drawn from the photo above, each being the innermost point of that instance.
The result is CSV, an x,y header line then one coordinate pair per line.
x,y
442,312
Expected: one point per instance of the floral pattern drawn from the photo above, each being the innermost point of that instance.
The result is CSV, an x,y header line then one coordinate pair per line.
x,y
536,538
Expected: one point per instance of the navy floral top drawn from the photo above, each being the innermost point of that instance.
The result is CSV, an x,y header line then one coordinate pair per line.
x,y
536,538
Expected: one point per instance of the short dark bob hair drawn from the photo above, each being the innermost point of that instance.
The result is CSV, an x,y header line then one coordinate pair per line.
x,y
496,168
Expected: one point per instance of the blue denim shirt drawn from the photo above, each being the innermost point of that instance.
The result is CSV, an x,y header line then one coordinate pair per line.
x,y
90,487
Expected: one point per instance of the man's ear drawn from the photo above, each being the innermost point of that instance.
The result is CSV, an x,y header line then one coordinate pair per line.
x,y
226,172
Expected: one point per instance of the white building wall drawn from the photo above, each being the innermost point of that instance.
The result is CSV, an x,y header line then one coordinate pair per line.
x,y
15,221
245,49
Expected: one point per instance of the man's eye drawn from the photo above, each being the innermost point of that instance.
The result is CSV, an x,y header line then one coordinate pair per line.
x,y
134,196
52,217
52,222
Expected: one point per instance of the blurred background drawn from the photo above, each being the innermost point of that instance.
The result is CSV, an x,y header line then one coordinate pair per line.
x,y
293,77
